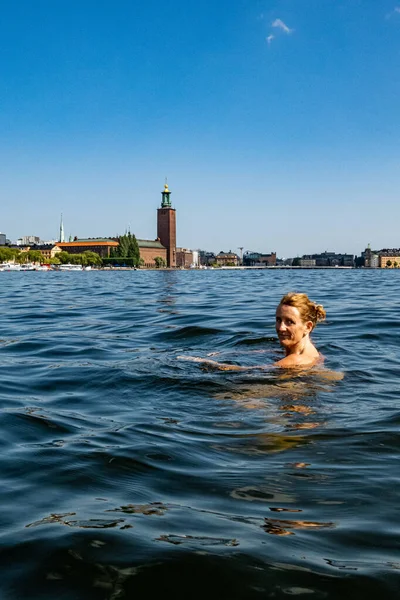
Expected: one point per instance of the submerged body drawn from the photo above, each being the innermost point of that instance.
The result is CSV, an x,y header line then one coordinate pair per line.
x,y
296,317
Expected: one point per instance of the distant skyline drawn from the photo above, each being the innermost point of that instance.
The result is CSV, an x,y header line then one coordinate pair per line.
x,y
276,122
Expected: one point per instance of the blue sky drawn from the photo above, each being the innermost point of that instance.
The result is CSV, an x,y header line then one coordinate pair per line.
x,y
288,143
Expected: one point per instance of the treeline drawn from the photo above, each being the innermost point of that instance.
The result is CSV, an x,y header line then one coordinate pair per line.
x,y
13,254
86,259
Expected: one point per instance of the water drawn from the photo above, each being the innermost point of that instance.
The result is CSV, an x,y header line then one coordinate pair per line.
x,y
126,473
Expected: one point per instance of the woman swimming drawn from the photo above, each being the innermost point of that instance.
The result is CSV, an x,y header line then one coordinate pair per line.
x,y
296,317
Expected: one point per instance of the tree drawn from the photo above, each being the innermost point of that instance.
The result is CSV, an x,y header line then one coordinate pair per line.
x,y
90,258
63,257
296,261
128,248
7,254
160,262
395,264
34,256
21,258
389,264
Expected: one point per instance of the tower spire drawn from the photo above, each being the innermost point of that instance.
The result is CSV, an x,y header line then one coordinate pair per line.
x,y
62,238
166,200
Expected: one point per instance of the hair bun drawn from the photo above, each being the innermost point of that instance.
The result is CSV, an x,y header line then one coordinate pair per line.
x,y
320,312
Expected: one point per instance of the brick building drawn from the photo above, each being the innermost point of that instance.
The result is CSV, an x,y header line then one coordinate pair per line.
x,y
164,246
184,257
150,249
102,246
166,226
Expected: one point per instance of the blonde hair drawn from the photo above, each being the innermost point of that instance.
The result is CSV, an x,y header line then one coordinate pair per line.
x,y
309,310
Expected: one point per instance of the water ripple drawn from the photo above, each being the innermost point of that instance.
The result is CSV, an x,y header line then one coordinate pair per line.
x,y
128,473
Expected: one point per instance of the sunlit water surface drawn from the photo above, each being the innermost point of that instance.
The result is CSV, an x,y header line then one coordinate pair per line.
x,y
126,473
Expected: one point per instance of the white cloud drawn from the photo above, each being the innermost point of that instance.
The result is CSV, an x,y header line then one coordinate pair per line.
x,y
281,25
269,39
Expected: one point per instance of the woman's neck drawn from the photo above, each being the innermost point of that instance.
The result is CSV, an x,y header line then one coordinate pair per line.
x,y
301,347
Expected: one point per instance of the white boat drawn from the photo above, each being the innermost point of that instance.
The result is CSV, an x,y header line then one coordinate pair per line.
x,y
10,267
69,267
28,267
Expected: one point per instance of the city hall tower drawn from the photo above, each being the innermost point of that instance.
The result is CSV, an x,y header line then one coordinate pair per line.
x,y
166,226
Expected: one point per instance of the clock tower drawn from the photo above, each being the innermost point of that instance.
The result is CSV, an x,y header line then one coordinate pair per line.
x,y
166,226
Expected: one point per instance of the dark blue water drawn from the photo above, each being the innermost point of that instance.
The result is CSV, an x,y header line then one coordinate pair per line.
x,y
126,473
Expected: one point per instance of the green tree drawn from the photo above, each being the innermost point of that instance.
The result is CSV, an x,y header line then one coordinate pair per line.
x,y
7,254
141,262
296,262
34,256
63,257
21,258
395,264
90,258
389,264
76,259
128,248
160,262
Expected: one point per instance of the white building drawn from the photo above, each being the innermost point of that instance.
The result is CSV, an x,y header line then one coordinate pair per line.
x,y
28,240
195,262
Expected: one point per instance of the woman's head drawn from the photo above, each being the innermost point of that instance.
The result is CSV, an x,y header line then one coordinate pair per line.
x,y
309,311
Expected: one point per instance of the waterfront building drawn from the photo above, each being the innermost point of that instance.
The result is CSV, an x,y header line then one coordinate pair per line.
x,y
184,258
369,258
150,250
196,259
166,226
327,259
257,259
164,246
331,259
385,259
102,246
227,259
3,239
307,261
206,258
389,258
48,251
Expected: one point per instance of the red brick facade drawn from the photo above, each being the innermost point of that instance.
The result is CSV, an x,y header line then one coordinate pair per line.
x,y
101,247
148,254
184,258
166,231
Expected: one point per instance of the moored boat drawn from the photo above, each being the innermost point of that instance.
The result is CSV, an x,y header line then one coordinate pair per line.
x,y
69,267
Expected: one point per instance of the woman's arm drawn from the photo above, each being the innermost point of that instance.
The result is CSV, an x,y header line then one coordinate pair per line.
x,y
215,364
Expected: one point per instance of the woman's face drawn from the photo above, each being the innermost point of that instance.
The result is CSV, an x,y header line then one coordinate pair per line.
x,y
290,327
